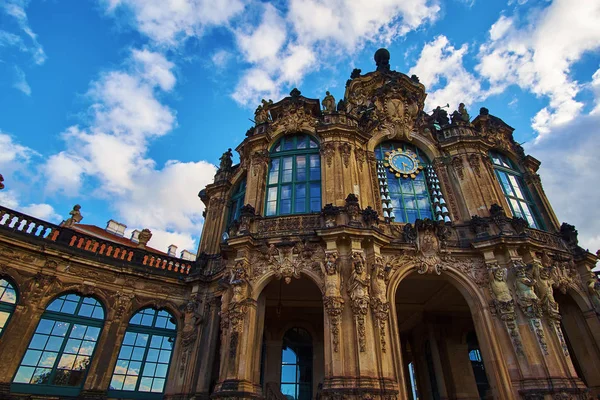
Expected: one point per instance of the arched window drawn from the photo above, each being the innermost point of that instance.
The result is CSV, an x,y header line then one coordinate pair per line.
x,y
408,196
237,201
296,365
514,190
62,346
294,179
8,299
145,355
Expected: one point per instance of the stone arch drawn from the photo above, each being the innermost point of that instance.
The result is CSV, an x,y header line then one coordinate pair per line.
x,y
423,143
96,294
259,285
159,305
485,328
581,299
14,283
273,137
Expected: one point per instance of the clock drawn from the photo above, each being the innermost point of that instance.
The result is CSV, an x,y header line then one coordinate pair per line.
x,y
403,164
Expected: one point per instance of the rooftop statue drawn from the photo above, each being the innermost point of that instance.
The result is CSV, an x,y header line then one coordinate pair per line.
x,y
328,103
261,115
75,216
226,161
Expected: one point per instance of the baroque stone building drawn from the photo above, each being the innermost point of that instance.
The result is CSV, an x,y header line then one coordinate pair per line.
x,y
361,250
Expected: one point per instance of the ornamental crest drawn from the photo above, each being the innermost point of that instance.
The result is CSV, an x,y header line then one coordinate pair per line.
x,y
287,259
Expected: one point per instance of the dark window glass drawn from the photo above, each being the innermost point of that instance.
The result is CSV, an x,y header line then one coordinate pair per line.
x,y
237,201
294,178
296,365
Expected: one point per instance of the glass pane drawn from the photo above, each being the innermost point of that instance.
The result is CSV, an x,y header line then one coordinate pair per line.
x,y
288,143
158,385
288,373
7,292
516,187
60,328
301,168
116,382
274,171
145,385
24,374
516,209
288,356
286,192
288,391
301,141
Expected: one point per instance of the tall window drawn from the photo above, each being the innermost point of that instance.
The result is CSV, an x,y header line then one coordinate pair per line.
x,y
406,199
296,365
294,180
145,355
514,190
62,346
8,299
237,201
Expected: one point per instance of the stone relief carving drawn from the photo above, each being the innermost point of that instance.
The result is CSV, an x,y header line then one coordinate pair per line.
x,y
458,166
474,163
332,298
358,290
360,157
379,303
529,302
328,151
286,259
345,149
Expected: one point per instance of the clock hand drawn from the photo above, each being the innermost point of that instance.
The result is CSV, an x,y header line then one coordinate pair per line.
x,y
405,166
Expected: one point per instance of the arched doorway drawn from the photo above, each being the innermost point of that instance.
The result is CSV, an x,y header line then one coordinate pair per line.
x,y
583,348
292,357
441,354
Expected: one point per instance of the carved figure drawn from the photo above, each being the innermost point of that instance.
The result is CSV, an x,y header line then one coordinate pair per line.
x,y
526,297
544,288
358,286
331,275
261,115
239,282
440,116
144,237
379,280
463,112
498,286
75,216
328,103
226,161
594,292
1,180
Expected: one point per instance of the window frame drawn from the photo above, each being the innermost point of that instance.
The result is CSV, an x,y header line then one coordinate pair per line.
x,y
424,161
509,168
294,153
297,364
5,306
71,319
236,202
151,331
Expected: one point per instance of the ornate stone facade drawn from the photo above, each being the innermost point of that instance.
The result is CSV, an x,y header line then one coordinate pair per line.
x,y
391,308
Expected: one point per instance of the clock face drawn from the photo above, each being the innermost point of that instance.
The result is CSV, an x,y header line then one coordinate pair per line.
x,y
403,163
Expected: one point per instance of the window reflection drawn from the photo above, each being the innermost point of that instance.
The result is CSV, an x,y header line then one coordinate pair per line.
x,y
296,365
294,178
61,348
145,354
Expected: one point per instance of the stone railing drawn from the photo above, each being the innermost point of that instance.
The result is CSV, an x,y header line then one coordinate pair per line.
x,y
22,225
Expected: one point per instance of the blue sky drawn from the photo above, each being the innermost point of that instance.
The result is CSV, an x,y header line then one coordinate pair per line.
x,y
124,106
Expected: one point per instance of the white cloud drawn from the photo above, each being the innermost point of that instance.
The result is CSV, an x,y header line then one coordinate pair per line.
x,y
20,82
16,10
170,22
42,211
440,68
284,48
539,55
12,152
595,86
221,58
350,23
109,153
570,176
